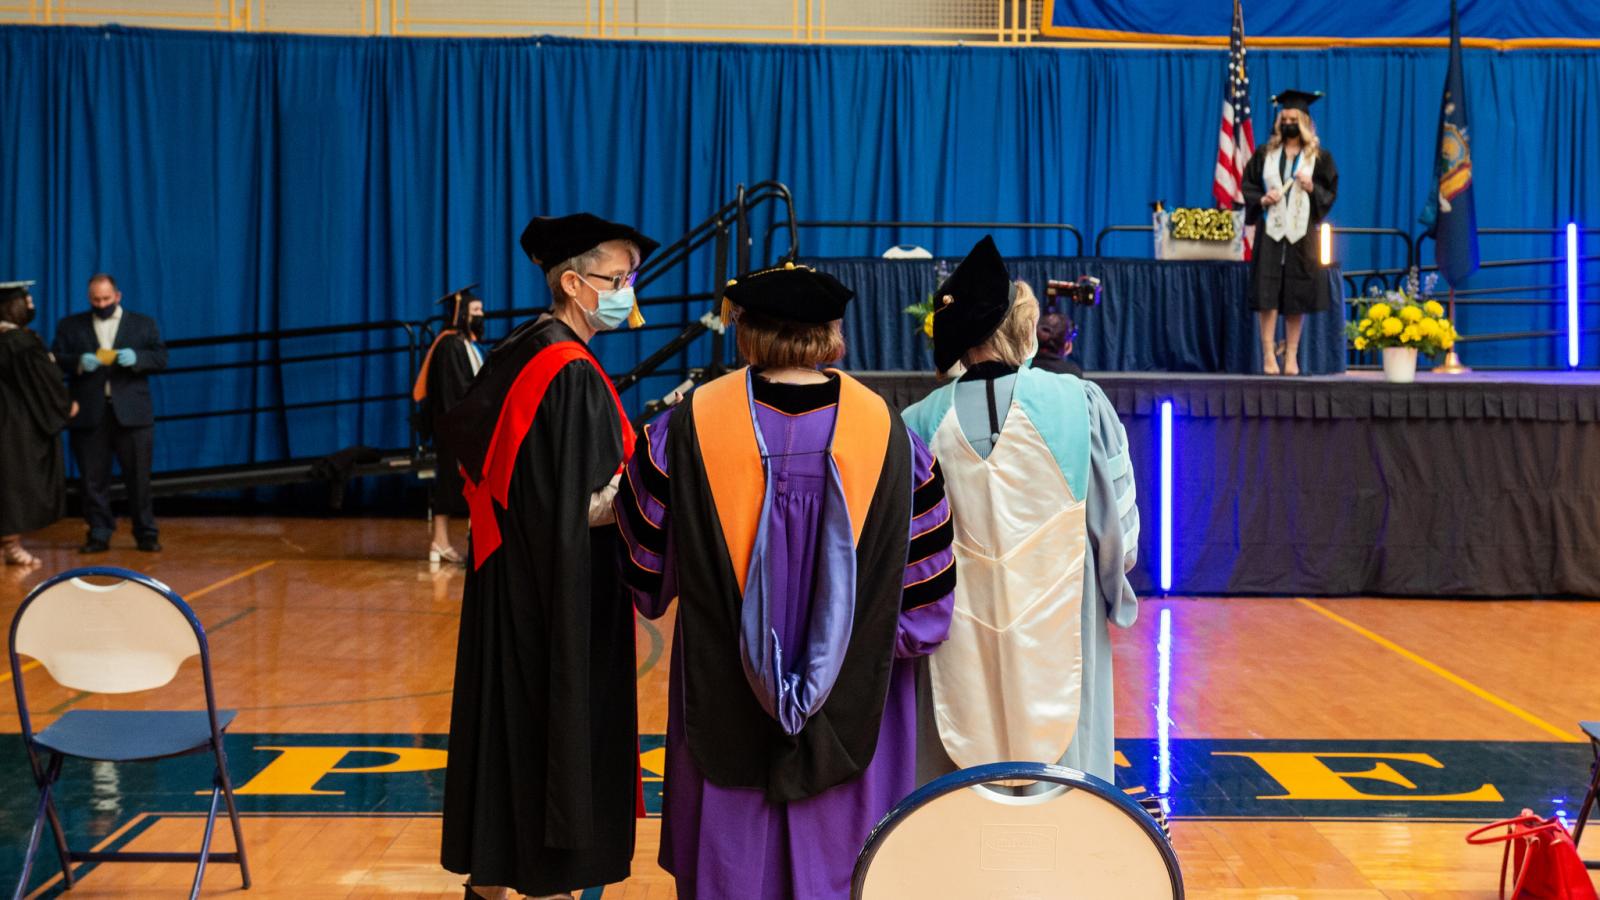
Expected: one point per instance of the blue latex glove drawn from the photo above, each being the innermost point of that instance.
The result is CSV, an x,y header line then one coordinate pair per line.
x,y
126,357
88,363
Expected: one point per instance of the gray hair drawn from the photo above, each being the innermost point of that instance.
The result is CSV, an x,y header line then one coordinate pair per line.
x,y
581,263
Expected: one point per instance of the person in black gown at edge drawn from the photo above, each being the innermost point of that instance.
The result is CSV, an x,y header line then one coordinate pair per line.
x,y
447,370
34,408
1056,336
1289,187
541,787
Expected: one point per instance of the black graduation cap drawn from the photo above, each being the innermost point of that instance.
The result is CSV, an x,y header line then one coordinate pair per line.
x,y
552,240
971,304
790,293
455,299
1296,99
9,289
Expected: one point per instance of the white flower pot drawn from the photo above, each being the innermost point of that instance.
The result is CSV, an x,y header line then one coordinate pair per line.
x,y
1400,364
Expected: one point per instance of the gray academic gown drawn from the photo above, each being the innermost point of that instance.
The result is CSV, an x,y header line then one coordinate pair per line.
x,y
1058,628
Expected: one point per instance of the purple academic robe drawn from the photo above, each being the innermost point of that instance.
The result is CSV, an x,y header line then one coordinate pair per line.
x,y
723,842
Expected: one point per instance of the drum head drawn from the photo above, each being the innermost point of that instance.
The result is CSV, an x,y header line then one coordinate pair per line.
x,y
1078,838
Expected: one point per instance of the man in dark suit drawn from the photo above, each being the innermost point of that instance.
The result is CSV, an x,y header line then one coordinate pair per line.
x,y
108,354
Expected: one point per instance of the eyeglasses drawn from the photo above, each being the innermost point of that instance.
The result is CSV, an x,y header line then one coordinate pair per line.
x,y
617,282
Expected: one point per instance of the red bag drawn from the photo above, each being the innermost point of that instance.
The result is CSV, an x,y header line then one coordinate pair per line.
x,y
1545,862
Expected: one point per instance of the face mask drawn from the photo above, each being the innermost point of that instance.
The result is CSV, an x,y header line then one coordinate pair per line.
x,y
1290,131
475,325
106,312
612,311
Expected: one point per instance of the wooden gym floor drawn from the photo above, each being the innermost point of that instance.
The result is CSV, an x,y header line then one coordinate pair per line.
x,y
1318,749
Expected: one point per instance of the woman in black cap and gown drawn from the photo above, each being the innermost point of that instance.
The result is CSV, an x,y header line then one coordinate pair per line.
x,y
447,370
1289,187
34,407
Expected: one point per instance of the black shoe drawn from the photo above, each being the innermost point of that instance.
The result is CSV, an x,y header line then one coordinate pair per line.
x,y
94,546
149,545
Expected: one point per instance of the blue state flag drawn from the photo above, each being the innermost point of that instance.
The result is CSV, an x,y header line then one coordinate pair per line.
x,y
1449,213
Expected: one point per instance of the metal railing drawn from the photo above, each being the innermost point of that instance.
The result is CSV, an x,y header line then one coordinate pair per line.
x,y
263,350
412,332
729,232
1072,230
1383,277
1406,239
1101,235
1503,296
774,21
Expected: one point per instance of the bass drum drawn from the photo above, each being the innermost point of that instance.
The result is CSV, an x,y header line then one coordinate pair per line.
x,y
971,834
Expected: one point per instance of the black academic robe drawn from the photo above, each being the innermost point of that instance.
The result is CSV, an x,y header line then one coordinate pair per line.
x,y
449,375
1060,365
734,740
33,411
540,784
1288,276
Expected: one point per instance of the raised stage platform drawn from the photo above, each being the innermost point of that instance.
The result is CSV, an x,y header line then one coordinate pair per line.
x,y
1167,315
1485,484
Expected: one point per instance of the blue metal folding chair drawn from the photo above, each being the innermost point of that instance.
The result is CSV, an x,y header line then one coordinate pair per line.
x,y
130,635
1592,729
1073,836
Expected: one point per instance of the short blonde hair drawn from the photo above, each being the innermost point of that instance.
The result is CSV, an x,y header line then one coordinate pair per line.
x,y
776,344
1016,338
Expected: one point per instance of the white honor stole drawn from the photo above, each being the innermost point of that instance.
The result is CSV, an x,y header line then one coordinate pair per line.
x,y
1289,218
1008,684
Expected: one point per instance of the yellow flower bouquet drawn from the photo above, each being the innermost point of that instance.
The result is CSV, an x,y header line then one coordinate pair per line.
x,y
1408,318
922,315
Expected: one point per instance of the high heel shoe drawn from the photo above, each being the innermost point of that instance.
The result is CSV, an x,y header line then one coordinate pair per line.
x,y
16,556
438,554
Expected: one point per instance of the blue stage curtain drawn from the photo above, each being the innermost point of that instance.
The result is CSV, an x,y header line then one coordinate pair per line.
x,y
1169,316
1498,20
244,182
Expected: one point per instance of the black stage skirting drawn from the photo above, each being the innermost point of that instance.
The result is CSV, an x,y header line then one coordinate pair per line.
x,y
1481,485
1155,316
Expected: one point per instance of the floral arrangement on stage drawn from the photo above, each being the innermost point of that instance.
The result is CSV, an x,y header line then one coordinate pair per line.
x,y
1408,320
922,314
1407,317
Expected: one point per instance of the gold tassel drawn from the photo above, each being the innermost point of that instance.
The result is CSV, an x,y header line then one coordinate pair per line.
x,y
727,312
635,317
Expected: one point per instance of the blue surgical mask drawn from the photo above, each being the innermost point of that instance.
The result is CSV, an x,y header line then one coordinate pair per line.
x,y
613,309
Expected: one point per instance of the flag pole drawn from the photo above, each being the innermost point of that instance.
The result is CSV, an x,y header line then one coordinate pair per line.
x,y
1452,364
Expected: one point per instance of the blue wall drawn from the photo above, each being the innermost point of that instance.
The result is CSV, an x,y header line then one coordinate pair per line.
x,y
244,182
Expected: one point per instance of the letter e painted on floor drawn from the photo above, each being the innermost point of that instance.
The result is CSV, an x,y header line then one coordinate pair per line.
x,y
1306,777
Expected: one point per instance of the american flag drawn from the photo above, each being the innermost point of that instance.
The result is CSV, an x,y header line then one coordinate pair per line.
x,y
1237,139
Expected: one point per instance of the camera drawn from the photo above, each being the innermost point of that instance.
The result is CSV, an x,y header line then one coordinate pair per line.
x,y
1083,292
